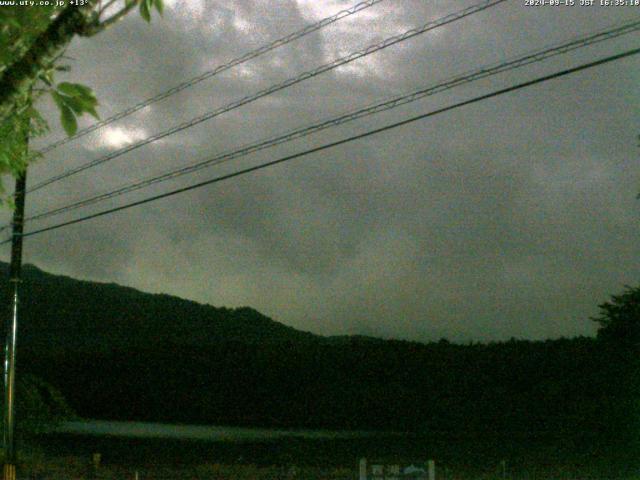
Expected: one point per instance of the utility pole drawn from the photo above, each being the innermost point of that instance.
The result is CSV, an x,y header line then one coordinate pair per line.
x,y
15,269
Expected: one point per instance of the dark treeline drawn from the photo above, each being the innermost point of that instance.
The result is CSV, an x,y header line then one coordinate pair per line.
x,y
116,353
540,388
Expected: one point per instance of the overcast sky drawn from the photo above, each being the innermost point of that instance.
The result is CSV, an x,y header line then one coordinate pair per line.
x,y
515,216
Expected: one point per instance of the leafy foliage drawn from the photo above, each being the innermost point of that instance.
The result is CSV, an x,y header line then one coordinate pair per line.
x,y
146,6
19,27
24,31
40,406
13,154
73,100
619,319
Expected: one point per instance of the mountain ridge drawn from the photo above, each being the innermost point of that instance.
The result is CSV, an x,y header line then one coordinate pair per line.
x,y
91,314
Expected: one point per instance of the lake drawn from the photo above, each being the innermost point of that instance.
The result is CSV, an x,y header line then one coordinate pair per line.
x,y
137,443
198,432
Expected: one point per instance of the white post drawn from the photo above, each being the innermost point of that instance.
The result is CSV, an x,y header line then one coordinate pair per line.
x,y
136,476
363,469
431,466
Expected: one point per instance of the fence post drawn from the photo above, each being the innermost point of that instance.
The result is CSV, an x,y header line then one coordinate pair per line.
x,y
363,469
431,466
95,464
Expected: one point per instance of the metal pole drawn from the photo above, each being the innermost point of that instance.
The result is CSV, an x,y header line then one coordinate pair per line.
x,y
363,469
12,330
431,467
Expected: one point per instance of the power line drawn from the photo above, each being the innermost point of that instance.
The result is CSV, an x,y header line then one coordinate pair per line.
x,y
238,173
277,87
478,74
217,70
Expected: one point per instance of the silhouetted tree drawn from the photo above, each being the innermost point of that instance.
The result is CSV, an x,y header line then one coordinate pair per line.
x,y
619,319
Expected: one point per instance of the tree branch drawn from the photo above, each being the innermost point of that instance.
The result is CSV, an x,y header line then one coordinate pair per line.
x,y
20,76
103,8
97,28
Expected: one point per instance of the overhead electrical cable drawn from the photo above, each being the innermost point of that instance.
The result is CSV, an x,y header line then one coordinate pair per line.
x,y
369,133
484,72
275,88
215,71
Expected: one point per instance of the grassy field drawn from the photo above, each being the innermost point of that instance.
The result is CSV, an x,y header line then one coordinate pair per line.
x,y
77,468
63,457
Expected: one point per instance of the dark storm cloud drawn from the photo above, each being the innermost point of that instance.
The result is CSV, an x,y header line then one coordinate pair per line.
x,y
513,217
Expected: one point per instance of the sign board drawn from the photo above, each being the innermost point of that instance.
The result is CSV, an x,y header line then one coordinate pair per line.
x,y
396,471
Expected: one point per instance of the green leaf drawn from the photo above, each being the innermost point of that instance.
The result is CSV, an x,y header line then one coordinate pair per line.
x,y
67,88
78,98
47,77
68,120
74,103
74,89
160,6
84,91
92,111
58,99
144,10
38,125
12,22
89,99
82,105
5,162
89,107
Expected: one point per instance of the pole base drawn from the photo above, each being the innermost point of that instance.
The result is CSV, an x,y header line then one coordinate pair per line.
x,y
9,471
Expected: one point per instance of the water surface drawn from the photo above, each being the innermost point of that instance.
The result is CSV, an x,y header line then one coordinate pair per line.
x,y
197,432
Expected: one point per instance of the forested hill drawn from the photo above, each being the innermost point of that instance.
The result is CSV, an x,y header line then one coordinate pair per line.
x,y
59,312
117,353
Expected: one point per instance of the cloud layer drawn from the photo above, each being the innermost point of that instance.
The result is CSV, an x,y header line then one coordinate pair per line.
x,y
512,217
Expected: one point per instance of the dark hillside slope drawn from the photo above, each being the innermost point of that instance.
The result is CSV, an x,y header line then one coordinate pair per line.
x,y
59,312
